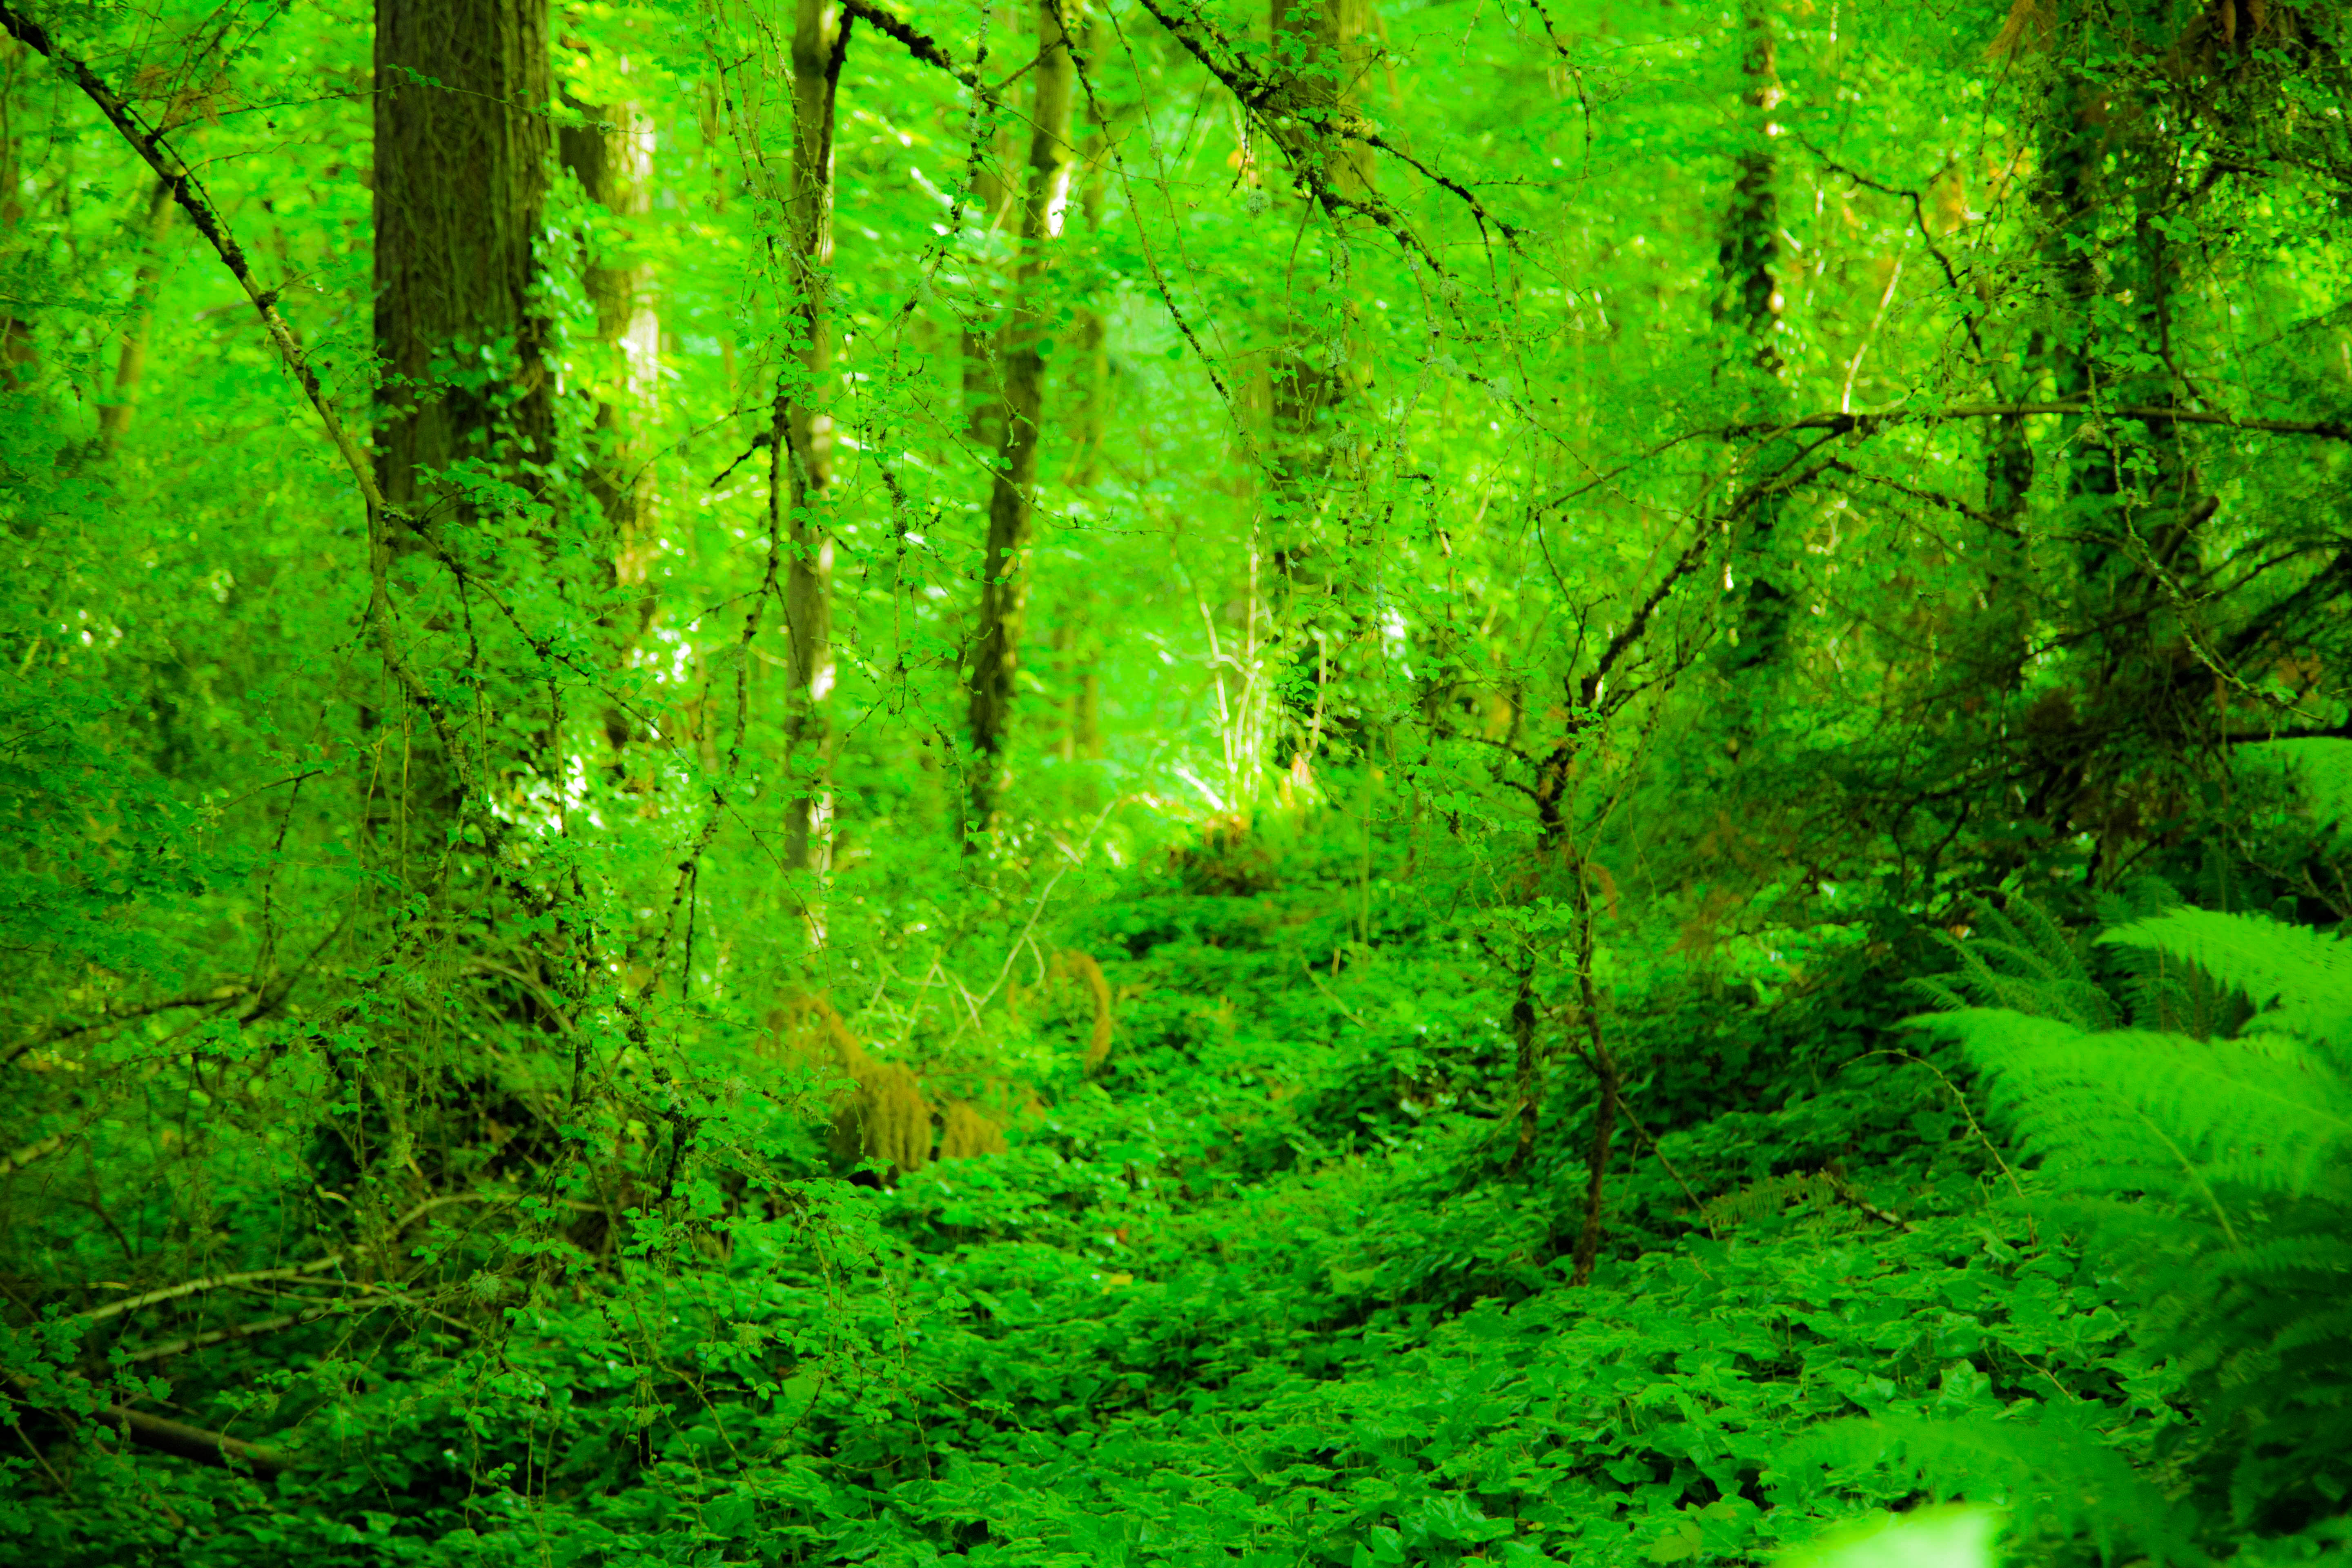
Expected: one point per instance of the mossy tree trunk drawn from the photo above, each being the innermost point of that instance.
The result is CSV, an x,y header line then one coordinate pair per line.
x,y
463,416
801,449
1012,500
611,155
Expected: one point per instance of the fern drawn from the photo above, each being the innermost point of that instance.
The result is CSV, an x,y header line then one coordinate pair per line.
x,y
2215,1173
2305,975
2023,962
2056,1475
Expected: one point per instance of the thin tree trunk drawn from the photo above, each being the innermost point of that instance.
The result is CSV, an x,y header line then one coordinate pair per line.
x,y
612,158
1012,504
1529,1065
1319,54
984,389
1316,368
1750,262
1606,1088
802,455
1075,644
1607,1083
130,362
1090,397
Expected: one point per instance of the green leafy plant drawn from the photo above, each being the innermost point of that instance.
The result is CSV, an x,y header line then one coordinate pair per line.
x,y
2212,1171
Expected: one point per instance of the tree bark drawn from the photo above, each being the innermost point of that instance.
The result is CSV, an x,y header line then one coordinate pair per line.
x,y
1318,60
612,158
19,359
1318,56
1012,504
984,389
131,361
1750,303
460,183
801,451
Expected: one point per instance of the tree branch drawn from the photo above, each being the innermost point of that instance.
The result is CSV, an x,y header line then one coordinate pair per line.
x,y
173,1437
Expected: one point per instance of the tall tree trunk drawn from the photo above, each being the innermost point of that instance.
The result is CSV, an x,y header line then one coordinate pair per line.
x,y
1090,362
460,181
983,381
1011,502
1077,647
1750,304
1319,54
803,454
612,158
2136,503
130,360
1313,375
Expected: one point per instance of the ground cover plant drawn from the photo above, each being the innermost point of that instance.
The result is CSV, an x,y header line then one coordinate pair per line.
x,y
1156,783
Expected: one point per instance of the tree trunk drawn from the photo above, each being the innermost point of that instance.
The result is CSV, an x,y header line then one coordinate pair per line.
x,y
1012,504
983,389
460,181
1750,304
460,184
1315,368
612,158
803,454
1090,361
130,362
1319,57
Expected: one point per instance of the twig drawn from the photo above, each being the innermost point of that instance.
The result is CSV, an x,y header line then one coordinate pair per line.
x,y
1332,996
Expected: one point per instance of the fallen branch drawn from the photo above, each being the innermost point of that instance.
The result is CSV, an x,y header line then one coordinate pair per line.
x,y
291,1271
238,1331
13,1162
174,1437
227,992
213,1282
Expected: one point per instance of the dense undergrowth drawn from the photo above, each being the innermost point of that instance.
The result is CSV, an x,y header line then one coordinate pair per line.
x,y
1273,1286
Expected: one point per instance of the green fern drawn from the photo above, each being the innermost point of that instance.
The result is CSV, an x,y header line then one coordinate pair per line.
x,y
1769,1196
2025,962
2215,1173
2055,1477
2303,976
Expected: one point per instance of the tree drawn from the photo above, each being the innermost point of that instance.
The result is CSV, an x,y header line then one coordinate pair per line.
x,y
610,153
1000,624
464,419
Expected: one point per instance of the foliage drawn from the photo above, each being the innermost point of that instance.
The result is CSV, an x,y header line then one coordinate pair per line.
x,y
1173,784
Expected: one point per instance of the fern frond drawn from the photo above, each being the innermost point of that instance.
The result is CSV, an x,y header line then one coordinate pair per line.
x,y
2024,960
2308,972
2050,1471
2135,899
2150,1111
2216,1175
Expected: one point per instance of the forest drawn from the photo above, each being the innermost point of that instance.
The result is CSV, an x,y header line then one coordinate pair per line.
x,y
1322,783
